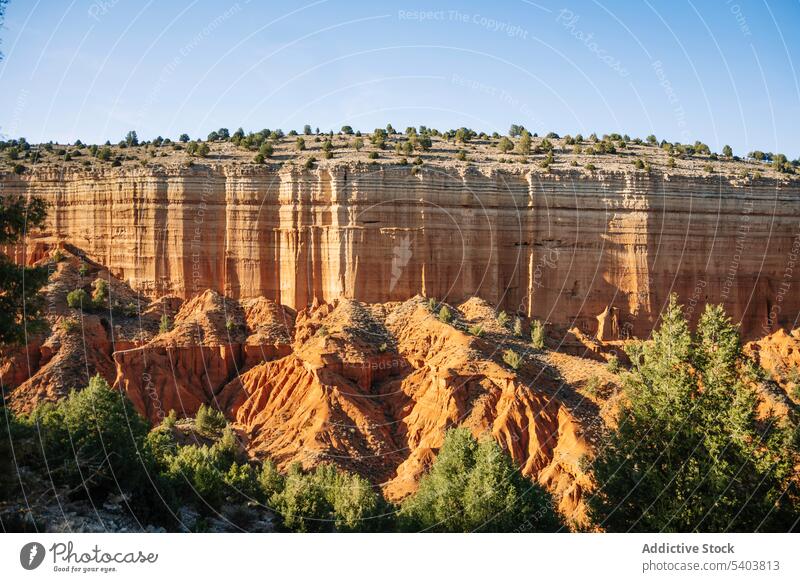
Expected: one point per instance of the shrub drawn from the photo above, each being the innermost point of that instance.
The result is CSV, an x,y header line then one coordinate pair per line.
x,y
165,324
518,327
476,330
83,270
727,151
208,420
323,500
461,155
77,299
373,155
357,144
505,145
230,325
474,486
300,144
270,479
69,325
445,315
100,293
613,364
196,470
537,334
671,162
309,164
639,164
708,168
502,318
512,359
170,419
266,150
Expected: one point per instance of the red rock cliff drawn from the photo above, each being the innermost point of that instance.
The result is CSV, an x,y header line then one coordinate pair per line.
x,y
567,246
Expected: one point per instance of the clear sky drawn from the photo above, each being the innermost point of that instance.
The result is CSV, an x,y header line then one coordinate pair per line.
x,y
719,71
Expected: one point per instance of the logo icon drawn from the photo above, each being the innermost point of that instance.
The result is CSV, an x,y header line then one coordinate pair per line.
x,y
31,555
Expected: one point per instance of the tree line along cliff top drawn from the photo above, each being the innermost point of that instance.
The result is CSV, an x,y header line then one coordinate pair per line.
x,y
414,147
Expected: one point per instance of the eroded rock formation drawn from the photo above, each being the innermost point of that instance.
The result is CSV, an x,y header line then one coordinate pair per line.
x,y
564,246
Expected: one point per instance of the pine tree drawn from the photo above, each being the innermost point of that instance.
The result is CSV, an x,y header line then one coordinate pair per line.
x,y
690,452
474,486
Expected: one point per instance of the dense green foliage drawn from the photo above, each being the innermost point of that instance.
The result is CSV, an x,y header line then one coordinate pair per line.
x,y
208,420
325,499
20,301
690,453
474,486
92,443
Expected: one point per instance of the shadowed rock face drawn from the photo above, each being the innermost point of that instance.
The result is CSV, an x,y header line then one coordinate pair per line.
x,y
593,249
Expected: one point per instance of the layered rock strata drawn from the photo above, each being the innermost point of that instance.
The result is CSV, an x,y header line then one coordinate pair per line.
x,y
598,250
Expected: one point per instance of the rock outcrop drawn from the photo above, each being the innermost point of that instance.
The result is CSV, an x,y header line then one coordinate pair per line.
x,y
565,246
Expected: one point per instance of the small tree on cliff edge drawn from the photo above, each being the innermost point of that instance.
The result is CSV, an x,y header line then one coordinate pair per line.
x,y
20,302
690,452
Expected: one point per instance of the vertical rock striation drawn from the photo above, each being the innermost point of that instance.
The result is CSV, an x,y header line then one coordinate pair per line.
x,y
564,246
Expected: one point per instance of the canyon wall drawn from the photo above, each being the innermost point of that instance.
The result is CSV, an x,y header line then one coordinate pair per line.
x,y
598,249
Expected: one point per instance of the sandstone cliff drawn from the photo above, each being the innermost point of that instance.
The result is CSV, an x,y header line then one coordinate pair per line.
x,y
600,250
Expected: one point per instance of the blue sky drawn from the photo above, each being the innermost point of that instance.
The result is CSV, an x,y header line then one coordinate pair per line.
x,y
719,71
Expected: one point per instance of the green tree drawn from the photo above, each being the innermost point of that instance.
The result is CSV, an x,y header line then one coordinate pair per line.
x,y
524,145
727,151
131,139
324,499
20,301
690,452
300,144
537,334
94,439
266,149
474,486
165,324
208,420
78,299
184,138
99,293
505,145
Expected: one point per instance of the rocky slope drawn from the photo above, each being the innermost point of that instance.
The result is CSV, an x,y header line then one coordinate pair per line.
x,y
370,387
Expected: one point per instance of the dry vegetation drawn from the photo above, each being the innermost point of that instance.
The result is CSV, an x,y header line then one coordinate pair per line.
x,y
415,147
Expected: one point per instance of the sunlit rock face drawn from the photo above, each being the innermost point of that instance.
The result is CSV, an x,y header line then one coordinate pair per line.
x,y
564,246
